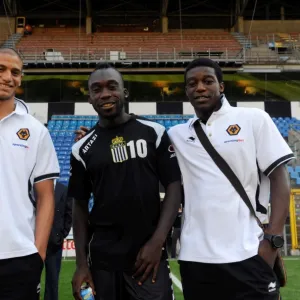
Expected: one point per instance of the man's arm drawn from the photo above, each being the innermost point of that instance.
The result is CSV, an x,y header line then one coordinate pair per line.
x,y
170,207
46,169
44,215
80,190
280,199
272,153
80,231
149,256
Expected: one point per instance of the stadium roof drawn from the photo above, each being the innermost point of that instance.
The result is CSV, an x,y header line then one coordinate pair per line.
x,y
154,8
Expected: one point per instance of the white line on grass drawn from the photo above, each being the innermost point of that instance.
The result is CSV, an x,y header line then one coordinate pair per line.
x,y
176,281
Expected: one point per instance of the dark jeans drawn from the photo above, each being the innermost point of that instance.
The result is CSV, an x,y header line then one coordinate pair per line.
x,y
52,266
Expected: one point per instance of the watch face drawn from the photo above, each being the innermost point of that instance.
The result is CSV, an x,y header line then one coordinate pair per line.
x,y
278,241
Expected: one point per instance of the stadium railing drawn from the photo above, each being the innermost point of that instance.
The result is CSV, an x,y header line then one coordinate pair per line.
x,y
89,55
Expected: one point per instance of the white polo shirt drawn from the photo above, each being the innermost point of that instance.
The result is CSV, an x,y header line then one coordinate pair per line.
x,y
218,226
27,157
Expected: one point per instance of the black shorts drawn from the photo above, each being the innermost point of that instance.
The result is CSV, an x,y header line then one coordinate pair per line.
x,y
20,277
117,285
251,279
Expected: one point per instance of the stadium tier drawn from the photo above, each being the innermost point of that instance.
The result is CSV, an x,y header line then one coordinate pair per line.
x,y
98,45
62,128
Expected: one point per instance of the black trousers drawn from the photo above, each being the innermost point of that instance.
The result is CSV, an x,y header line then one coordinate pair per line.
x,y
20,277
52,268
117,285
251,279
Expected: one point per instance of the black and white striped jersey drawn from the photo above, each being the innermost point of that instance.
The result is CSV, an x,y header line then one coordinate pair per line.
x,y
122,168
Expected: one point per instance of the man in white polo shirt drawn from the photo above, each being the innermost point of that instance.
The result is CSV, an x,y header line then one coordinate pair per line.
x,y
224,253
27,160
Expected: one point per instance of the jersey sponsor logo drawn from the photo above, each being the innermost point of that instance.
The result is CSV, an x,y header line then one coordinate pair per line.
x,y
20,145
89,144
234,141
118,149
23,134
233,129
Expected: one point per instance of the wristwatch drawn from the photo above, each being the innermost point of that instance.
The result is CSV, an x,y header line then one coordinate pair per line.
x,y
276,241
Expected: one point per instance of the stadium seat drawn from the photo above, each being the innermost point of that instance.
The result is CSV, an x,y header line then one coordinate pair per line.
x,y
294,175
290,169
65,167
63,153
64,180
88,123
65,173
168,123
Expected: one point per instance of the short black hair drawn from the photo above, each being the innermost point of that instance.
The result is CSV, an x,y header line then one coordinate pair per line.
x,y
105,66
204,62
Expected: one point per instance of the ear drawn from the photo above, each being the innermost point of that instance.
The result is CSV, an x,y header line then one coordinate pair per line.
x,y
126,93
222,87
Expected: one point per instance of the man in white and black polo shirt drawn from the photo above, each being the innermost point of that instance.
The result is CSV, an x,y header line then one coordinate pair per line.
x,y
224,253
27,160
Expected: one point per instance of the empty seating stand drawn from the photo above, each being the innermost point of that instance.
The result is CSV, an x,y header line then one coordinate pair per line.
x,y
62,130
284,124
146,45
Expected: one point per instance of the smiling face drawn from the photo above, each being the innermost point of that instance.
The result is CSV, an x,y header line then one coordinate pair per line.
x,y
10,75
203,89
107,93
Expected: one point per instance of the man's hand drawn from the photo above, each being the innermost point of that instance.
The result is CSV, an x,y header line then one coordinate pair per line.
x,y
148,259
268,253
81,275
80,133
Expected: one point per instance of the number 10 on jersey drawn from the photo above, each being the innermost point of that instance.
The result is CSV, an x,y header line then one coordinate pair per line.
x,y
135,148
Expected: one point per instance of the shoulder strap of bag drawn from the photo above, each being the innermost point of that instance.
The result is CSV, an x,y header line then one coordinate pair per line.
x,y
224,167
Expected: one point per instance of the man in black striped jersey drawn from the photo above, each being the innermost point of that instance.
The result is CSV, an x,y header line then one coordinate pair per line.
x,y
120,244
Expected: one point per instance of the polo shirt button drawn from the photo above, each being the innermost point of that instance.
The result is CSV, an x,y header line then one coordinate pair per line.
x,y
210,134
208,124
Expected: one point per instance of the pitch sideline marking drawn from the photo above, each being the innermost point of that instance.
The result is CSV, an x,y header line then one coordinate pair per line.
x,y
176,282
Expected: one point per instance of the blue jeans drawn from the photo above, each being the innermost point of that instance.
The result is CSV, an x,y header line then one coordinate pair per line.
x,y
52,268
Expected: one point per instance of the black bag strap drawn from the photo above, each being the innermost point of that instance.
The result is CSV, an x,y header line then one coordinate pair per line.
x,y
224,167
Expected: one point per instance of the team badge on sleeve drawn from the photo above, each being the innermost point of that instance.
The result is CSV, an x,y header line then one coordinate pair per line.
x,y
23,134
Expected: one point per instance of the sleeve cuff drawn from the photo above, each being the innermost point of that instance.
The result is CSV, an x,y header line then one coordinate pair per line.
x,y
46,176
278,162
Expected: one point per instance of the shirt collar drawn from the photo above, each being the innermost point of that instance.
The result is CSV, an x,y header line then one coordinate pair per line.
x,y
224,109
21,107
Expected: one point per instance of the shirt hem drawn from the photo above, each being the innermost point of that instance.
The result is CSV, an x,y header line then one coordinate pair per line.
x,y
217,260
15,254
